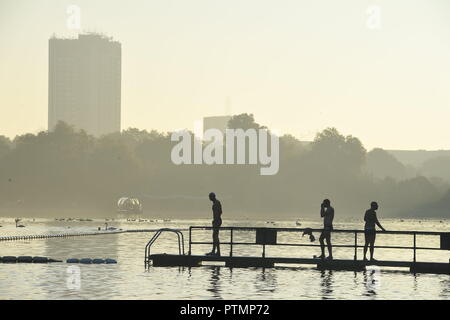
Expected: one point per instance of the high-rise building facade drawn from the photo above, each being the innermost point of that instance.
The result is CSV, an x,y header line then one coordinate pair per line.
x,y
84,88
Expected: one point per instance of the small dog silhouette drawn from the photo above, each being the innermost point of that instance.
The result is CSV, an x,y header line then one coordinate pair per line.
x,y
308,231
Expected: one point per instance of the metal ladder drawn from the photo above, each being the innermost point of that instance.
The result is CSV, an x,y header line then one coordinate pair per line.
x,y
156,236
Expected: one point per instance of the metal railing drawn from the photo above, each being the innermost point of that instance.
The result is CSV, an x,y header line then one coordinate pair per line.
x,y
355,245
156,236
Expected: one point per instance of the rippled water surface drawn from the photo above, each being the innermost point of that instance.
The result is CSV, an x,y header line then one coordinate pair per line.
x,y
128,279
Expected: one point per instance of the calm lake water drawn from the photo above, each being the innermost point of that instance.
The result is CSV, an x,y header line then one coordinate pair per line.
x,y
128,279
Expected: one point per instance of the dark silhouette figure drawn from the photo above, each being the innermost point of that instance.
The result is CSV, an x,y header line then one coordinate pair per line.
x,y
327,213
17,220
371,220
216,223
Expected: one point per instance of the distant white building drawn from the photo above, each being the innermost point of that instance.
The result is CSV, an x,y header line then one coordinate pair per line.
x,y
217,122
84,88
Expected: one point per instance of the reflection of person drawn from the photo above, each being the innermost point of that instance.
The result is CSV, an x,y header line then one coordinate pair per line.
x,y
326,283
215,282
217,222
371,220
327,213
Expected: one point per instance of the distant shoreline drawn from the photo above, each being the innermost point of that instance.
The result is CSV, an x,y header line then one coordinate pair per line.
x,y
233,215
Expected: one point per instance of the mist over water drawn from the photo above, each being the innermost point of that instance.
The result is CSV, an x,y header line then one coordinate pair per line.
x,y
339,101
128,279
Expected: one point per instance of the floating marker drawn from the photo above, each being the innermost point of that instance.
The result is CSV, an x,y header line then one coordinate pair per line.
x,y
98,261
25,259
110,261
9,259
86,261
40,259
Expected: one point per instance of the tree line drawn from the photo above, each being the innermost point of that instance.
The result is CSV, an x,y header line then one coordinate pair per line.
x,y
67,170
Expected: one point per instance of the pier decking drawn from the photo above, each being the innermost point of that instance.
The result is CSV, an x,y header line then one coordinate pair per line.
x,y
170,260
268,236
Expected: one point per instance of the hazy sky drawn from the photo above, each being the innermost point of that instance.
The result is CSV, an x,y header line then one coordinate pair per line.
x,y
298,65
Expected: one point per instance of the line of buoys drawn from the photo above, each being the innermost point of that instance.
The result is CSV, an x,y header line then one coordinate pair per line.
x,y
91,261
66,235
142,230
26,259
59,235
149,230
30,259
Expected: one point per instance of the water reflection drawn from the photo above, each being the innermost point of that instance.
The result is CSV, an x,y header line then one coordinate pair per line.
x,y
266,281
181,270
355,279
215,282
445,285
88,276
326,277
127,279
414,282
371,280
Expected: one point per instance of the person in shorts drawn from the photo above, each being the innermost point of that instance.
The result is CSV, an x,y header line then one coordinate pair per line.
x,y
370,217
216,223
327,213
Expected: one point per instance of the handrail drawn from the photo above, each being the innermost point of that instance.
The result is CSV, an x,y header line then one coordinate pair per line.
x,y
316,245
156,236
319,230
231,243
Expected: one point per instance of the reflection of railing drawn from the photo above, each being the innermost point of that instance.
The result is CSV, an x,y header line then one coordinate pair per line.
x,y
268,236
156,236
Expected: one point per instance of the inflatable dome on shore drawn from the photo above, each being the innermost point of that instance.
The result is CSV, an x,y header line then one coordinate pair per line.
x,y
129,205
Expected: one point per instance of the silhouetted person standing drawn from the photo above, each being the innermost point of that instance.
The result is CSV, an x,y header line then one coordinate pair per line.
x,y
327,213
371,220
217,222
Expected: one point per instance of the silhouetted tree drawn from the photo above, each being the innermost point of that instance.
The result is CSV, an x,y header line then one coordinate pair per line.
x,y
382,164
437,167
244,121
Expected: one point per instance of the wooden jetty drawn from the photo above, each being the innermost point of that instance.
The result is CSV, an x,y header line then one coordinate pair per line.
x,y
268,237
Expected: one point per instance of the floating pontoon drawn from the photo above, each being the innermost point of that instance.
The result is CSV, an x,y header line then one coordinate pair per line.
x,y
269,237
